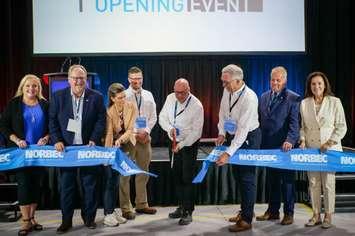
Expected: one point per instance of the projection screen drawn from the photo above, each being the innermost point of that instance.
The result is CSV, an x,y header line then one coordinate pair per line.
x,y
167,26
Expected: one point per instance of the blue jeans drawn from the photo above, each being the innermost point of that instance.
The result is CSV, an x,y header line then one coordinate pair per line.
x,y
110,189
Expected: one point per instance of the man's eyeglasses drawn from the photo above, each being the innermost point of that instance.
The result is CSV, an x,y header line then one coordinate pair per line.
x,y
180,92
226,83
77,78
135,78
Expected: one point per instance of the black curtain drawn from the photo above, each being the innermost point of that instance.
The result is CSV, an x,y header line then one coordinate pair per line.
x,y
330,48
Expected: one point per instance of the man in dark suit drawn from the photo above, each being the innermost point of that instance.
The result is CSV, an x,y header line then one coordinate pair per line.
x,y
279,122
77,116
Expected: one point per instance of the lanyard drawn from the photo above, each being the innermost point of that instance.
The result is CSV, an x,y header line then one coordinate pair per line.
x,y
77,108
139,104
230,99
176,115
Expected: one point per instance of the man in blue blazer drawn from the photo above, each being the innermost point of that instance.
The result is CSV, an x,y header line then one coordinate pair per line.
x,y
279,123
77,116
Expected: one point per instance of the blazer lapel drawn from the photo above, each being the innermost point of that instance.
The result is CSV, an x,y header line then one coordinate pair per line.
x,y
279,100
85,105
127,112
311,107
19,112
68,104
322,110
267,102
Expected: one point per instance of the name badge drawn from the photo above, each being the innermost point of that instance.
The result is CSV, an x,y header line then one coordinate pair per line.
x,y
74,126
141,122
177,131
230,126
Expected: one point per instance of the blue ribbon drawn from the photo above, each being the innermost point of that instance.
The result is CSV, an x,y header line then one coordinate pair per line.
x,y
295,159
12,158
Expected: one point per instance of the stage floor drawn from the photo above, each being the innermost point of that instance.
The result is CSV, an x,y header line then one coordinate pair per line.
x,y
207,220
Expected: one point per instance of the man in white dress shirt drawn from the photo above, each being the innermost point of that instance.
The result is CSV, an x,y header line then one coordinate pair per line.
x,y
182,119
239,125
142,152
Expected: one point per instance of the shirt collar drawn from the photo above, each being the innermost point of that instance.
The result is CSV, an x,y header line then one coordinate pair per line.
x,y
278,94
138,92
239,90
187,98
73,95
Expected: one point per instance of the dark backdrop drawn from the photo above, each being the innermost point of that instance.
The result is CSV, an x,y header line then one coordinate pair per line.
x,y
330,48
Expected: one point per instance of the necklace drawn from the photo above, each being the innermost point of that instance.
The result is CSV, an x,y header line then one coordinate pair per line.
x,y
318,101
33,117
31,104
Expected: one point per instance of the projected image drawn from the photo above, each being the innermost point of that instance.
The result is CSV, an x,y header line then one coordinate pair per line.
x,y
167,26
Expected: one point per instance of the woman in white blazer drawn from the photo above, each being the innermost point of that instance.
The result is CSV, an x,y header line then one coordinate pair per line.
x,y
323,126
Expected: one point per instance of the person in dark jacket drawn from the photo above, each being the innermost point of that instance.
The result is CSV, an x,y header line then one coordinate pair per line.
x,y
280,126
77,116
25,122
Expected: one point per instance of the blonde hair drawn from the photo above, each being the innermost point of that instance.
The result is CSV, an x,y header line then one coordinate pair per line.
x,y
19,91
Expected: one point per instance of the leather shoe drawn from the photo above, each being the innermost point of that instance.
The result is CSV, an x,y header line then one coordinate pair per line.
x,y
176,214
235,218
129,215
238,217
147,210
241,225
90,224
268,216
287,220
185,219
64,227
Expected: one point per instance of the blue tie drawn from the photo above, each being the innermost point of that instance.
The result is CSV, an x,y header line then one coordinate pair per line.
x,y
273,100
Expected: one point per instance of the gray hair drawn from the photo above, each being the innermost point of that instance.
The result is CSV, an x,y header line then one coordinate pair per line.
x,y
77,66
279,69
235,71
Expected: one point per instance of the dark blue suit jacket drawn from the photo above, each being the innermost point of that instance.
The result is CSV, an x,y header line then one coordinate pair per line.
x,y
282,122
93,117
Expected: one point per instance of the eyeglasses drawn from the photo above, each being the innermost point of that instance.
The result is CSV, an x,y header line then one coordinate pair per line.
x,y
226,83
180,92
77,78
135,78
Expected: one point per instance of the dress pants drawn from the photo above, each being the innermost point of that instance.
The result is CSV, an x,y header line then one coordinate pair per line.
x,y
142,155
281,183
29,184
184,171
245,176
319,181
68,180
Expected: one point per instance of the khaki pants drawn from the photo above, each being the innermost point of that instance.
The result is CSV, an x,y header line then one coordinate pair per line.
x,y
141,154
319,181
